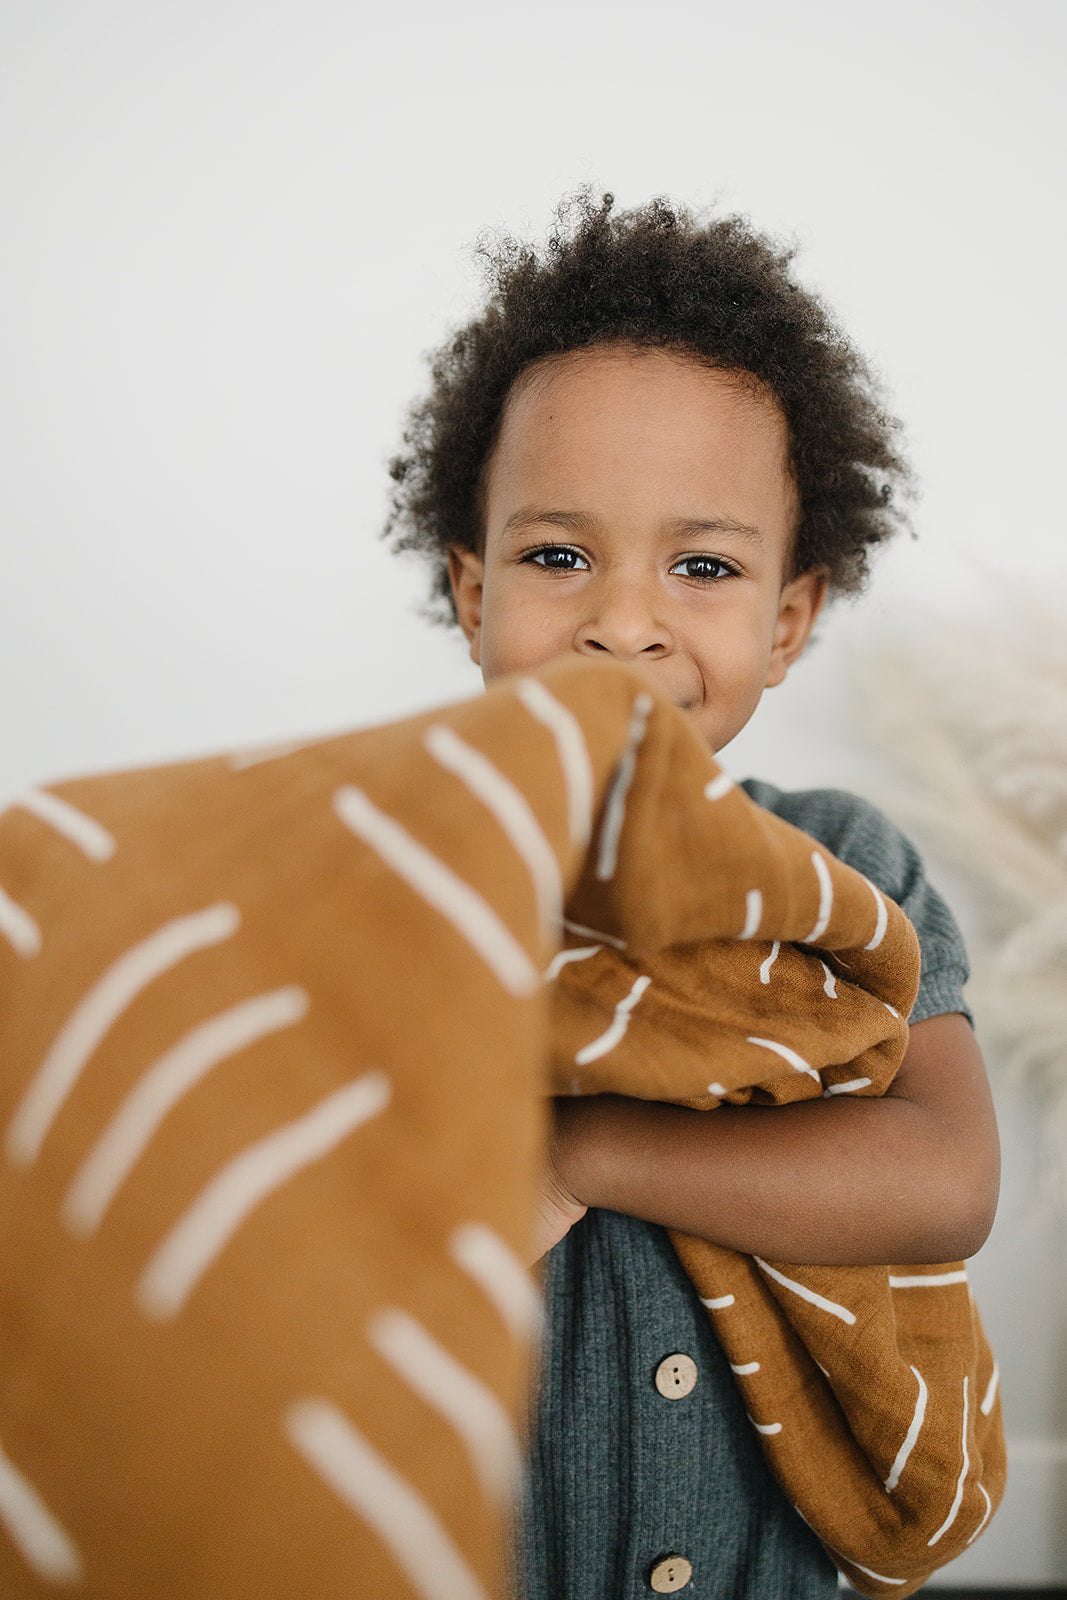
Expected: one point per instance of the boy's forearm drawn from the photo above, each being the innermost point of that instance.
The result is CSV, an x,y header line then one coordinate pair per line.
x,y
909,1178
817,1182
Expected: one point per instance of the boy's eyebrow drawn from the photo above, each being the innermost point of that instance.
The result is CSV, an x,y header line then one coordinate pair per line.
x,y
701,525
532,516
579,522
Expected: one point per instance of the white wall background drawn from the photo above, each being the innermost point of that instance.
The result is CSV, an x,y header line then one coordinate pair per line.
x,y
229,229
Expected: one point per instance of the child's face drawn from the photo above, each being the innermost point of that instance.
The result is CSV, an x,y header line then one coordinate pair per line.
x,y
640,505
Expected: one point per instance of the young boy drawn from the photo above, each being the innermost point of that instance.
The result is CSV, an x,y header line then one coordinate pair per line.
x,y
653,444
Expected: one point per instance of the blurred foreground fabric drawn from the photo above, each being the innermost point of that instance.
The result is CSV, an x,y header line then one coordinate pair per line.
x,y
276,1033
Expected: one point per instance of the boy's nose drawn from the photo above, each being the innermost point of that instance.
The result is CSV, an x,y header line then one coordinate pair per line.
x,y
623,625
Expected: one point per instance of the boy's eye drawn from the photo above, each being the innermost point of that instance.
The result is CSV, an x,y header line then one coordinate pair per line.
x,y
702,567
557,558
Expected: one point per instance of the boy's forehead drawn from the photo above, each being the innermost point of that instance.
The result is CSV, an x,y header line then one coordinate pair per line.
x,y
627,366
621,422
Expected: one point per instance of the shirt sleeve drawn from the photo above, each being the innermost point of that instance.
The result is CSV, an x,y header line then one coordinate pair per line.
x,y
861,835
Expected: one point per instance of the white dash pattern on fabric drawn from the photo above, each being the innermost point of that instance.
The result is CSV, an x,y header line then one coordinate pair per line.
x,y
753,914
591,933
720,1303
810,1295
621,1021
719,787
830,985
796,1061
989,1398
465,1402
371,1487
918,1417
882,921
954,1509
615,808
199,1237
158,1091
572,751
44,1544
471,915
96,1013
826,899
746,1369
879,1577
19,928
850,1086
988,1513
88,835
511,809
927,1280
766,1428
501,1276
565,957
765,966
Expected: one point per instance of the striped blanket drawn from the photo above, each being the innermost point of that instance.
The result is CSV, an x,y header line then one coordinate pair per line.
x,y
276,1033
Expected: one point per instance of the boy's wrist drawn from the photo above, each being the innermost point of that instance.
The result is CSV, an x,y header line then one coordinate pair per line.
x,y
566,1149
584,1145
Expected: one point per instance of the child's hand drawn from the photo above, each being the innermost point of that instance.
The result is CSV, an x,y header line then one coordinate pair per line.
x,y
557,1208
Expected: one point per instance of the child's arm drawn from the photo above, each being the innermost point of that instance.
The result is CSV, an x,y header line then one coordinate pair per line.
x,y
910,1177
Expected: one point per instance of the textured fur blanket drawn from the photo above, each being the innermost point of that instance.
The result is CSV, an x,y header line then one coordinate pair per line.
x,y
275,1040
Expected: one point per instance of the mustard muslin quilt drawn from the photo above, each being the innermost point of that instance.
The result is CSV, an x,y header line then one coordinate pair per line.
x,y
276,1032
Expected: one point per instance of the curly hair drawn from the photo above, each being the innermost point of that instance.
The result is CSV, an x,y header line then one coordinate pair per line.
x,y
654,277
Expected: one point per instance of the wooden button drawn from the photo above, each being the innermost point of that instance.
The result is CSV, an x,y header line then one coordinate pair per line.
x,y
676,1376
672,1573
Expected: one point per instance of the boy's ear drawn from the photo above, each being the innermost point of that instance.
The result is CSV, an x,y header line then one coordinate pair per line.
x,y
800,604
466,572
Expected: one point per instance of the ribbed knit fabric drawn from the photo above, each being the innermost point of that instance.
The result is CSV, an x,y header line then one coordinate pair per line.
x,y
621,1476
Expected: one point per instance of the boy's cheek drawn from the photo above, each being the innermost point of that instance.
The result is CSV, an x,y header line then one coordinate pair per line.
x,y
518,643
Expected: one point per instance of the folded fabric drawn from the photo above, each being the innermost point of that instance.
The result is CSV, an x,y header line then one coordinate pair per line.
x,y
275,1038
